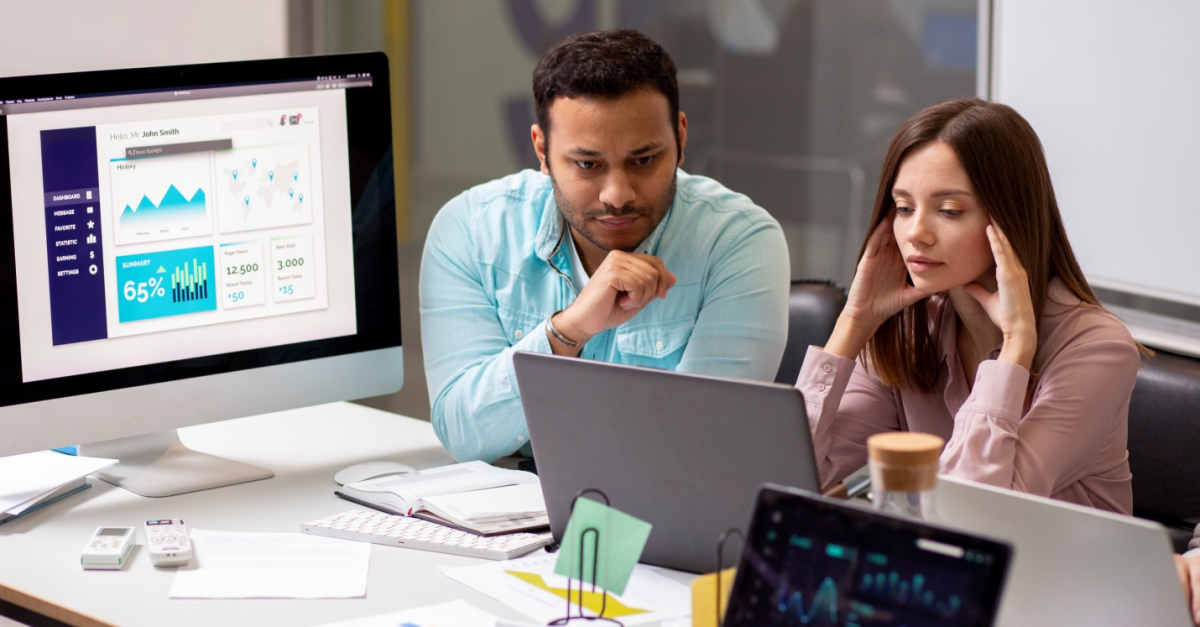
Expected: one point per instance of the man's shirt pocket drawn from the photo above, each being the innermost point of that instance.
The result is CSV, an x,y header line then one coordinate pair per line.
x,y
517,323
658,344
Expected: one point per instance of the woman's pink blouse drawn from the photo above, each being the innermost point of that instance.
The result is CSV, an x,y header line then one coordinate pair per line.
x,y
1067,442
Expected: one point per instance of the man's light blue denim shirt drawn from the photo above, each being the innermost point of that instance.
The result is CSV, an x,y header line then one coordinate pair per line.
x,y
495,266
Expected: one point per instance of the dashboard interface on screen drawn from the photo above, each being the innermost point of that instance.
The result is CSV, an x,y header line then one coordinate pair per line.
x,y
164,225
180,229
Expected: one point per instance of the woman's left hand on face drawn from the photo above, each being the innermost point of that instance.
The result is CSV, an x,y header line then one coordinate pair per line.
x,y
1011,306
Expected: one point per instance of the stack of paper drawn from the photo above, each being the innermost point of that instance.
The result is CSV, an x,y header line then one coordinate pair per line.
x,y
34,480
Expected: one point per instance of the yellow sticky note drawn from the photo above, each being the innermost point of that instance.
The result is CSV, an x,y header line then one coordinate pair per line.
x,y
704,597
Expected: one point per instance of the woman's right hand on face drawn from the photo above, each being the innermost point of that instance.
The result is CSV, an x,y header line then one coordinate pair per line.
x,y
879,291
880,288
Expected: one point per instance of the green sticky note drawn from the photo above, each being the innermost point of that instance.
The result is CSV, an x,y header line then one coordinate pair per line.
x,y
622,538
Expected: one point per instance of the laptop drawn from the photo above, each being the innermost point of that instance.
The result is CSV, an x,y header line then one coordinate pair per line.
x,y
683,452
1073,565
810,560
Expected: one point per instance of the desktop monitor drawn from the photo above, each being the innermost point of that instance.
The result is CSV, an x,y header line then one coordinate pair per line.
x,y
181,245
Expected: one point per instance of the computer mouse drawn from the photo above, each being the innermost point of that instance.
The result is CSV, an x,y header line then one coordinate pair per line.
x,y
370,470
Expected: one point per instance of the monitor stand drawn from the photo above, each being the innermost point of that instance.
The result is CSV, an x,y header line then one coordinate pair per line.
x,y
158,464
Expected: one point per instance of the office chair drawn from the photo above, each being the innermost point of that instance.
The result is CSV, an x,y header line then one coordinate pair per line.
x,y
1164,444
813,309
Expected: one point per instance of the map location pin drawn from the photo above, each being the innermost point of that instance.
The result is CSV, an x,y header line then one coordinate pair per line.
x,y
301,197
235,175
271,175
291,193
295,175
254,163
247,201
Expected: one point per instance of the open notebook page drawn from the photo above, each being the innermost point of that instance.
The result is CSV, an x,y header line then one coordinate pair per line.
x,y
518,500
465,477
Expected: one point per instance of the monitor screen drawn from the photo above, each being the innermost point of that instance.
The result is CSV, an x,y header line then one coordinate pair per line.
x,y
814,561
194,243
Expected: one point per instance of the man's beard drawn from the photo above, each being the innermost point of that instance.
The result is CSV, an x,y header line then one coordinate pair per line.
x,y
579,220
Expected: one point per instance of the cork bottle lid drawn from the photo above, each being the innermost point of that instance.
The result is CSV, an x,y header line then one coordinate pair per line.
x,y
905,448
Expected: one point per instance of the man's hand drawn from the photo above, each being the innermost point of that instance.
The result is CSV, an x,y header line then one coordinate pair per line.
x,y
1189,577
619,289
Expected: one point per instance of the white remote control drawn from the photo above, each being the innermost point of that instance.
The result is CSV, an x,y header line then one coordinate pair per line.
x,y
168,542
108,548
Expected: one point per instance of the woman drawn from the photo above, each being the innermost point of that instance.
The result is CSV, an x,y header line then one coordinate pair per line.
x,y
972,321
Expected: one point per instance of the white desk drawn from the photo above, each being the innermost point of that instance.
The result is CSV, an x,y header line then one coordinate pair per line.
x,y
39,554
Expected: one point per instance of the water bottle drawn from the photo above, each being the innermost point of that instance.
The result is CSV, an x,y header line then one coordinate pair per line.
x,y
904,469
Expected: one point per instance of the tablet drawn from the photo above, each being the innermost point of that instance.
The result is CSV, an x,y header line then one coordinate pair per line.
x,y
810,560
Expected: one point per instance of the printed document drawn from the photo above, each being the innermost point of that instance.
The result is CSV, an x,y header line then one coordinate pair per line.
x,y
243,565
453,614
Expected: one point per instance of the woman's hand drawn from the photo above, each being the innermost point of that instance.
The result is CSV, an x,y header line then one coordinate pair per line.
x,y
879,291
1188,568
1011,306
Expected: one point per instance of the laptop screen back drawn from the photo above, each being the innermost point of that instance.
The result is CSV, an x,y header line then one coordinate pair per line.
x,y
684,452
814,561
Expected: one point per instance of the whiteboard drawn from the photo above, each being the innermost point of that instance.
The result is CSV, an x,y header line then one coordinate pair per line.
x,y
1112,87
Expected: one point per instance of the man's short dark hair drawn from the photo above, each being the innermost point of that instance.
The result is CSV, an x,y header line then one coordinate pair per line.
x,y
604,64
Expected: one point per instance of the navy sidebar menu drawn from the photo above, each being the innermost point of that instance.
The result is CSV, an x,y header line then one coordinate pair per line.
x,y
71,184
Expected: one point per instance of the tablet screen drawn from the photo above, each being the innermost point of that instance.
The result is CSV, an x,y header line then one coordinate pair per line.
x,y
814,561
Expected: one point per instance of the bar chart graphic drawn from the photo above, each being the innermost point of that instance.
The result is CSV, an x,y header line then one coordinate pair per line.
x,y
188,285
165,283
908,591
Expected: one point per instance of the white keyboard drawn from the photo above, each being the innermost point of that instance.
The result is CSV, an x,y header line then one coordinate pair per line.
x,y
414,533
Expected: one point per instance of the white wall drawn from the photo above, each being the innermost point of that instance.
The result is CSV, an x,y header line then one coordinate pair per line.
x,y
39,37
1111,87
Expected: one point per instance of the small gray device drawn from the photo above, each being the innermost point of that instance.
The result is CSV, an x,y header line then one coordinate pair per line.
x,y
683,452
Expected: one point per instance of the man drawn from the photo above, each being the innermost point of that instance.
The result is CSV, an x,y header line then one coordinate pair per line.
x,y
609,253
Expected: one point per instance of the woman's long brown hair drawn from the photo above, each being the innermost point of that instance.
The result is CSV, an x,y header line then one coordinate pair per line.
x,y
1004,160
